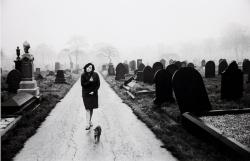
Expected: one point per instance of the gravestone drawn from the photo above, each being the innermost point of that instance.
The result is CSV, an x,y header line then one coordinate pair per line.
x,y
111,70
120,71
51,73
178,64
141,67
139,62
222,66
148,75
18,65
183,64
190,91
246,66
57,66
210,69
232,82
126,67
13,80
60,78
190,65
171,61
163,62
132,65
203,63
157,66
38,71
28,83
104,67
172,69
163,87
139,76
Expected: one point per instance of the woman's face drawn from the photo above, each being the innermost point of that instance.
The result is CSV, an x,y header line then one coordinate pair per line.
x,y
89,68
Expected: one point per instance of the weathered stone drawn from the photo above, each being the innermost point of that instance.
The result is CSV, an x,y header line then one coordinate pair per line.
x,y
148,75
120,72
232,82
190,91
210,69
163,87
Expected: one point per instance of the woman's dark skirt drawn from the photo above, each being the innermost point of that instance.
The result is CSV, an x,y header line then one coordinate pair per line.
x,y
90,101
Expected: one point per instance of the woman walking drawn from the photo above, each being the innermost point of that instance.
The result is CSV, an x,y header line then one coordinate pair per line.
x,y
90,84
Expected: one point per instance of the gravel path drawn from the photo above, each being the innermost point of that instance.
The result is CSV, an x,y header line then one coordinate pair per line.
x,y
62,136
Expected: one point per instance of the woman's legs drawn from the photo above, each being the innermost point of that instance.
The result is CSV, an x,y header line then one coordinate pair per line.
x,y
91,114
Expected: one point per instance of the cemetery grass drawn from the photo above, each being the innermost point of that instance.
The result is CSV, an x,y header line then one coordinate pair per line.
x,y
14,140
166,122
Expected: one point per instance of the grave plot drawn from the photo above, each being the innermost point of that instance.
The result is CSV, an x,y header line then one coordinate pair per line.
x,y
226,128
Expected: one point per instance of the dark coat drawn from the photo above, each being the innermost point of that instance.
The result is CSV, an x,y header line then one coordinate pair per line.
x,y
90,101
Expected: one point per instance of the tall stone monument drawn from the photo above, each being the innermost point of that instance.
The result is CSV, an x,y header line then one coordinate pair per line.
x,y
28,84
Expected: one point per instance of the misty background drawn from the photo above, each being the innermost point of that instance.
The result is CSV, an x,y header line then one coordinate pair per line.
x,y
80,31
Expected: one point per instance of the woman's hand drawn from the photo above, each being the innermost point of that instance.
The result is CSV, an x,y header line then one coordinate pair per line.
x,y
91,79
91,93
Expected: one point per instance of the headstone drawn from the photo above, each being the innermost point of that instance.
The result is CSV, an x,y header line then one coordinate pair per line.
x,y
139,76
139,62
190,65
132,65
203,63
28,83
184,64
210,69
104,67
190,91
148,75
51,73
141,67
178,64
163,62
172,69
126,67
246,66
57,66
60,78
111,70
38,71
157,66
13,80
171,61
120,71
163,87
222,66
232,82
18,65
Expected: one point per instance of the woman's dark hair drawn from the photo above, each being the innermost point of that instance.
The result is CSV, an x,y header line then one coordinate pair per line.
x,y
87,65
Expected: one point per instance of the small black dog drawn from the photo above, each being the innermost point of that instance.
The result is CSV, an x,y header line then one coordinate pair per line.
x,y
97,133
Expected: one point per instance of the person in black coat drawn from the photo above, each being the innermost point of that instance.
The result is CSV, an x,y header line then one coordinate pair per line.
x,y
90,84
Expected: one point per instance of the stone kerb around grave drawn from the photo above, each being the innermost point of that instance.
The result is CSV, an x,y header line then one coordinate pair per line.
x,y
190,91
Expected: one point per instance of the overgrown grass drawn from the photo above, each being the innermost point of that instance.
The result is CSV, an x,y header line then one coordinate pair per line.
x,y
14,140
166,123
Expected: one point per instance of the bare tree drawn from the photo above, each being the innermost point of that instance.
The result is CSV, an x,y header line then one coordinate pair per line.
x,y
106,50
76,47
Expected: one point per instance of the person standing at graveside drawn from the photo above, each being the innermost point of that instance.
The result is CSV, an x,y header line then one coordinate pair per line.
x,y
90,84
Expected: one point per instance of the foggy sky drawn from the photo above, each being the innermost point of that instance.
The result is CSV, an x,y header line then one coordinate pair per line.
x,y
132,26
